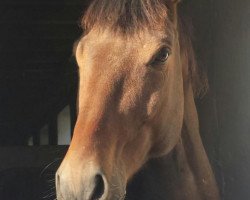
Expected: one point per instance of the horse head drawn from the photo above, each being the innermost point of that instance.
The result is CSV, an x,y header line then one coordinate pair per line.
x,y
131,96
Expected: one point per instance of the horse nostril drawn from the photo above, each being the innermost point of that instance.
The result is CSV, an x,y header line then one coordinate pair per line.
x,y
99,188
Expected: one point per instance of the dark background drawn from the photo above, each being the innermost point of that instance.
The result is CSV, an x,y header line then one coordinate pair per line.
x,y
38,78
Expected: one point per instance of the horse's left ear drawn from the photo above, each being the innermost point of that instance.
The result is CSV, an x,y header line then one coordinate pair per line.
x,y
172,7
171,3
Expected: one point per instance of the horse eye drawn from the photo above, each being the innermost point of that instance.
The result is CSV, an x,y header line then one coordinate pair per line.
x,y
161,56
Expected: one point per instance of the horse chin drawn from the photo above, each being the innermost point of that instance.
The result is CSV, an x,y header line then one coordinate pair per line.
x,y
117,190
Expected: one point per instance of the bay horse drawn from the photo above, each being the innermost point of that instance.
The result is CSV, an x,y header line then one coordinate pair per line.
x,y
137,131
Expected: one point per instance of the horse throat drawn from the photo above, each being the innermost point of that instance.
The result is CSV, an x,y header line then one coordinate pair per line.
x,y
185,173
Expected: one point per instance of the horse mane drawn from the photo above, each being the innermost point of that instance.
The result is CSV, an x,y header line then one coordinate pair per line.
x,y
129,16
196,74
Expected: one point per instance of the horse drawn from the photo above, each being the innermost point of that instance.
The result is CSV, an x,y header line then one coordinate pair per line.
x,y
137,131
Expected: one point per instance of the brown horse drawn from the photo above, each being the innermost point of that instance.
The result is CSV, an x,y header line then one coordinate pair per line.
x,y
138,81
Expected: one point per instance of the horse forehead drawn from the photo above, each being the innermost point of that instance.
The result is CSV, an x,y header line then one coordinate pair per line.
x,y
107,48
111,41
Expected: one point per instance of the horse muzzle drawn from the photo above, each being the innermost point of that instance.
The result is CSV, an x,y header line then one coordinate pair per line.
x,y
89,184
70,187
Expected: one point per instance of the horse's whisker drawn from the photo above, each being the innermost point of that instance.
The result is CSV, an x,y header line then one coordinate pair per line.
x,y
47,166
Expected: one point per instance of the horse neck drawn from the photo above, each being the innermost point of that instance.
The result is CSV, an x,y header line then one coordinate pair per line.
x,y
183,174
196,179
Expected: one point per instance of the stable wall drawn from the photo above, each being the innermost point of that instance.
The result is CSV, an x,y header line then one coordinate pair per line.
x,y
222,32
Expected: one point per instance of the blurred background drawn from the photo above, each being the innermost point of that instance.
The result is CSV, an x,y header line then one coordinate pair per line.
x,y
38,88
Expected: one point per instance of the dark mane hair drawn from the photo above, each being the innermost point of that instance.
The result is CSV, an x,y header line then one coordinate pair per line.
x,y
129,16
196,74
125,15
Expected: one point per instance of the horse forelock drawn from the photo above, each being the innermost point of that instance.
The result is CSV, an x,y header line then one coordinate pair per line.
x,y
126,16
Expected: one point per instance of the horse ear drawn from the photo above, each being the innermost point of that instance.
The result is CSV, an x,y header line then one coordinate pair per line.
x,y
172,6
173,1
